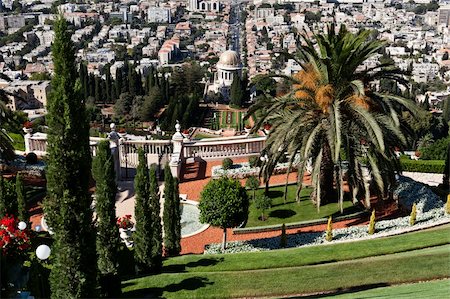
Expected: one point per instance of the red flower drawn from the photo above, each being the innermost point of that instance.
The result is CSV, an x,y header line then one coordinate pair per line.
x,y
125,222
14,242
28,125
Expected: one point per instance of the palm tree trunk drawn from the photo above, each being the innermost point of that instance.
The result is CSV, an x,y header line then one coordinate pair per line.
x,y
224,241
327,191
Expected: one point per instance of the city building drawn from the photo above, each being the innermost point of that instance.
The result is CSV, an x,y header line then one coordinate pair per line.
x,y
204,5
159,15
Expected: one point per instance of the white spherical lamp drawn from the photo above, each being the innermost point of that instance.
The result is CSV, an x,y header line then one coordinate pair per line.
x,y
43,252
22,225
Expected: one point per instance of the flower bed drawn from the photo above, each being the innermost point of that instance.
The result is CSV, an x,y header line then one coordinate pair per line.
x,y
244,170
430,212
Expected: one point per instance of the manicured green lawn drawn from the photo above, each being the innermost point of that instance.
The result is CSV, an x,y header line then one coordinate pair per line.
x,y
428,289
292,211
312,255
203,136
18,141
423,264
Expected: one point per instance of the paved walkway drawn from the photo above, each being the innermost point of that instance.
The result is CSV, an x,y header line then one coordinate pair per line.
x,y
194,177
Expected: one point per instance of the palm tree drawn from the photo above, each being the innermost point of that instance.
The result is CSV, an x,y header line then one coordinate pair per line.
x,y
332,112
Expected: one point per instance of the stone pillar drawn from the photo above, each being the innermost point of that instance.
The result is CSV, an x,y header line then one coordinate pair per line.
x,y
177,154
27,138
114,138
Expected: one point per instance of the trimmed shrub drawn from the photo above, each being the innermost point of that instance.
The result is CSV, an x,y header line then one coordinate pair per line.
x,y
329,233
437,150
412,217
428,166
227,163
447,206
21,199
283,237
252,183
372,223
263,203
31,158
253,161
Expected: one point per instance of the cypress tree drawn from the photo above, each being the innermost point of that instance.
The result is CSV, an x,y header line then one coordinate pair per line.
x,y
8,198
125,73
67,207
22,211
446,110
236,92
108,235
151,78
118,83
2,197
131,81
171,216
97,90
143,216
107,84
156,221
91,84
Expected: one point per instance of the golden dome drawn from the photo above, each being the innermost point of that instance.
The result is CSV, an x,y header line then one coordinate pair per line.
x,y
229,58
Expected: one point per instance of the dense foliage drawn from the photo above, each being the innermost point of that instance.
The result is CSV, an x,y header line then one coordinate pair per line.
x,y
224,203
22,210
172,215
67,207
436,150
428,166
8,198
333,109
143,214
107,232
157,241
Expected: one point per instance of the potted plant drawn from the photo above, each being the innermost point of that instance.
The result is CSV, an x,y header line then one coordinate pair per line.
x,y
125,225
267,128
122,132
247,128
28,127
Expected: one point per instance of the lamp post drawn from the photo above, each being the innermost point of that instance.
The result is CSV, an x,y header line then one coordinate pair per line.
x,y
42,253
264,159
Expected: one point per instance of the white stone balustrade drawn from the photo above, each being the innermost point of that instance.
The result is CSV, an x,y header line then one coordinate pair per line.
x,y
214,149
174,151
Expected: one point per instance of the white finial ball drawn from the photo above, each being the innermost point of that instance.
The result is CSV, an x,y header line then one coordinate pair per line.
x,y
43,252
22,225
178,127
112,126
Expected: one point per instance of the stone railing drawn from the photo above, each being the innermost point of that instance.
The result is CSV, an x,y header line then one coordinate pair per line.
x,y
175,151
157,151
216,149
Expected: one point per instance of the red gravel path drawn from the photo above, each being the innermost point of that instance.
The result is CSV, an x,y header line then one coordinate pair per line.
x,y
196,244
196,175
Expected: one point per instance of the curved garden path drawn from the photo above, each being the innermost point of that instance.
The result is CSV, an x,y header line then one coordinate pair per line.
x,y
194,177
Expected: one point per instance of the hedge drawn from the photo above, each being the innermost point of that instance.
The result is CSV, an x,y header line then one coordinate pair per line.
x,y
428,166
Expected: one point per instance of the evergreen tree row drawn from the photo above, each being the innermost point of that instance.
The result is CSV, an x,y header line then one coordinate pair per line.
x,y
148,235
171,215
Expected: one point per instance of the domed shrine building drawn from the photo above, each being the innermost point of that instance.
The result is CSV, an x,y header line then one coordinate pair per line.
x,y
228,67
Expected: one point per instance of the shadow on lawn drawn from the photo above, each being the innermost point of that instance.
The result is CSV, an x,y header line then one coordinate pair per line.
x,y
205,262
189,284
351,290
282,213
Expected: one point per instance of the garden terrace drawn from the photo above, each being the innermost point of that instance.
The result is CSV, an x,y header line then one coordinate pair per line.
x,y
368,264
